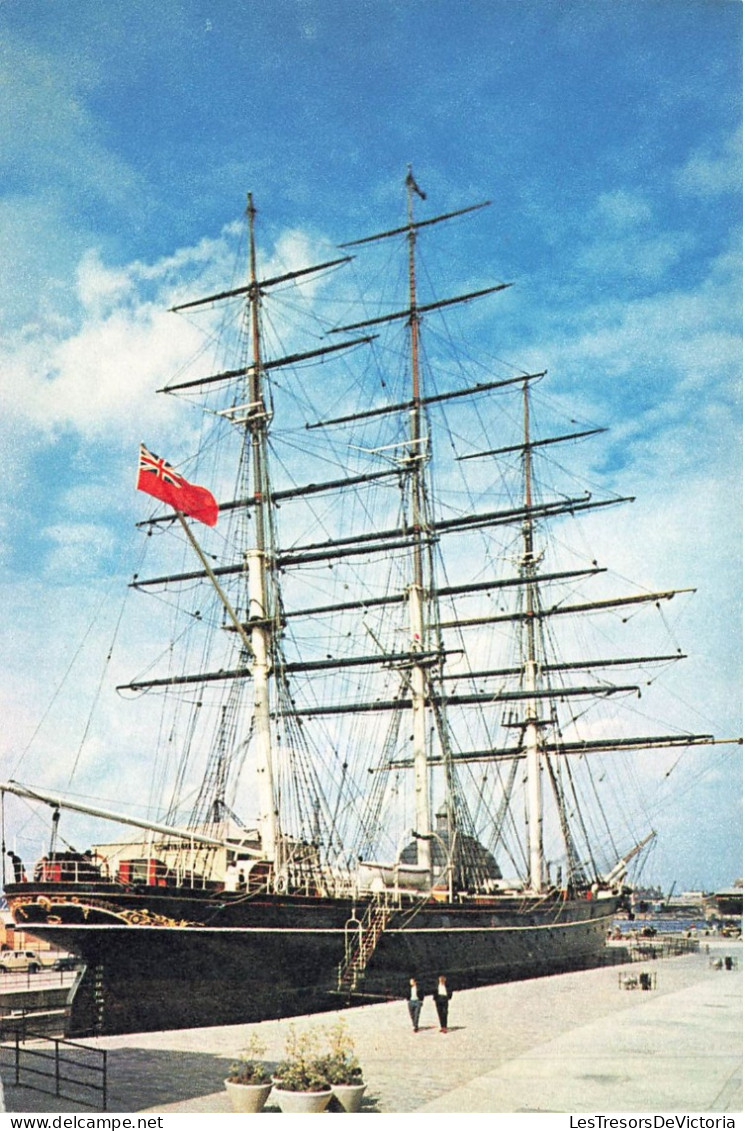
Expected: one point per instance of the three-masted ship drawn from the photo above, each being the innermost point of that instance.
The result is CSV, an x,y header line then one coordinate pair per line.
x,y
380,686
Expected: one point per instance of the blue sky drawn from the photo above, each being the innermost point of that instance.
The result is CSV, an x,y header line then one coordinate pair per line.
x,y
608,137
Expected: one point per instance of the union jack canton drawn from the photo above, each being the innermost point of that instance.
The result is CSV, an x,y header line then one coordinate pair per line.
x,y
159,467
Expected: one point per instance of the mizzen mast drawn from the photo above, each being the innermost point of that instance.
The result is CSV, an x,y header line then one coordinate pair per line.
x,y
531,668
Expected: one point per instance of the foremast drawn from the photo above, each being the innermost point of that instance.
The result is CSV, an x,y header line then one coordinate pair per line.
x,y
260,634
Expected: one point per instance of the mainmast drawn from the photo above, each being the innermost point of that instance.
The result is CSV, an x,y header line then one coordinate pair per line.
x,y
259,622
420,529
416,461
531,737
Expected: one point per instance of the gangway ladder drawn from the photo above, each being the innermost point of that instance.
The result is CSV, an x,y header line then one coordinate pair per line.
x,y
360,940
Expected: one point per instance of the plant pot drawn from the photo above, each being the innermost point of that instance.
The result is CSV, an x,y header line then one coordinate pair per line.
x,y
247,1097
295,1103
349,1095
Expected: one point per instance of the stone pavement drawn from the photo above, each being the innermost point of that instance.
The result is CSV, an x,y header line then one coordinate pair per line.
x,y
568,1043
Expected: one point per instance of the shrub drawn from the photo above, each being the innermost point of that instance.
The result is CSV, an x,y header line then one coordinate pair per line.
x,y
340,1065
249,1068
302,1070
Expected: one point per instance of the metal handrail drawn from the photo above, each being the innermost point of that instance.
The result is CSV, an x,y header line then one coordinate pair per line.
x,y
62,1055
46,978
360,940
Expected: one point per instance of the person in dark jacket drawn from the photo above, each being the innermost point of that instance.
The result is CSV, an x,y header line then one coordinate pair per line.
x,y
442,996
414,1001
19,872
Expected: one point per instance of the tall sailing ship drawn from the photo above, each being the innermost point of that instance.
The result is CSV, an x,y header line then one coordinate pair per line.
x,y
400,740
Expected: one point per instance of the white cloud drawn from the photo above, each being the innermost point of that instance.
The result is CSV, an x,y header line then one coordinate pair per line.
x,y
644,257
99,288
78,548
55,140
623,208
97,375
690,338
713,168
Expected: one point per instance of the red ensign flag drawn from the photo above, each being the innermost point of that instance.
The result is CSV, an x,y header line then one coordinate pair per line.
x,y
158,479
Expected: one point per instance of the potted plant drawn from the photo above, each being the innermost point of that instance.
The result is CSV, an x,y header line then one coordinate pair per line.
x,y
249,1082
300,1083
342,1068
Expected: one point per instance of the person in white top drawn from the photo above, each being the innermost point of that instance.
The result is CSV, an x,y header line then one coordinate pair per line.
x,y
414,1002
442,996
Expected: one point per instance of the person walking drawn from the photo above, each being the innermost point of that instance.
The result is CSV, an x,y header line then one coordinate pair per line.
x,y
414,1002
442,996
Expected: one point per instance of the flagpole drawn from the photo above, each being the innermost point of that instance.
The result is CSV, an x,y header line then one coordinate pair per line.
x,y
220,592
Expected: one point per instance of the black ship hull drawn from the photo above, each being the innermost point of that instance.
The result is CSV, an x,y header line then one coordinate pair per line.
x,y
180,961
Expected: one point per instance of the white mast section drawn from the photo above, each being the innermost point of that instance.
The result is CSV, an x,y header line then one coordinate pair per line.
x,y
531,672
260,674
418,454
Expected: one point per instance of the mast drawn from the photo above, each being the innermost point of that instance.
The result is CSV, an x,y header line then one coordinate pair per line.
x,y
417,458
256,567
257,563
531,737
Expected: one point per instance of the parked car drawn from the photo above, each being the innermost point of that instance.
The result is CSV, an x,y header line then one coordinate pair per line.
x,y
67,962
29,961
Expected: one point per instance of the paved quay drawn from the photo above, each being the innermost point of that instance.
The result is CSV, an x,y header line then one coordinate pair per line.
x,y
573,1042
